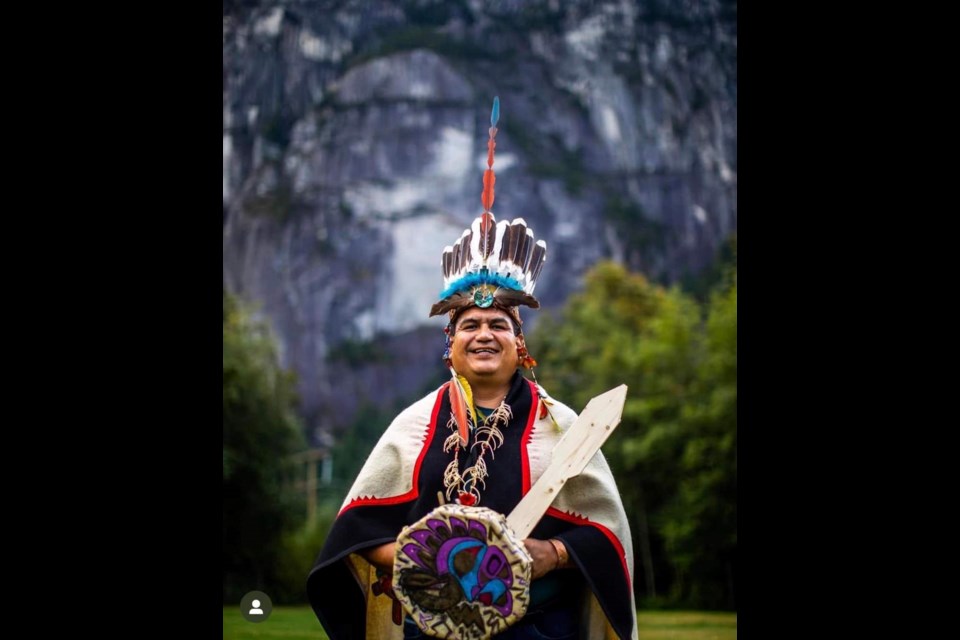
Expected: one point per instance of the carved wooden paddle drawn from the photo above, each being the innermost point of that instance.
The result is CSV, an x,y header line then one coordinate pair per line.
x,y
595,424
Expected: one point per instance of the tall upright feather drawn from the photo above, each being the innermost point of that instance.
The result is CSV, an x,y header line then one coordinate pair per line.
x,y
522,248
489,230
498,244
537,259
465,257
475,237
489,180
447,262
511,244
505,251
456,259
524,261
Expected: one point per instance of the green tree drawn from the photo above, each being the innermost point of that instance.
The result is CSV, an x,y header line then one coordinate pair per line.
x,y
260,431
675,426
703,513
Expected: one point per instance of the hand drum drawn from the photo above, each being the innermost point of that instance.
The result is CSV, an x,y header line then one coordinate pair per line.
x,y
460,572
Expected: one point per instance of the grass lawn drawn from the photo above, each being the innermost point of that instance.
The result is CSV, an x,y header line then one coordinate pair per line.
x,y
286,623
299,623
686,625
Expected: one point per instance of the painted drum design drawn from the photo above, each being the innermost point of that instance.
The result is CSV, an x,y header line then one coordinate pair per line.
x,y
460,572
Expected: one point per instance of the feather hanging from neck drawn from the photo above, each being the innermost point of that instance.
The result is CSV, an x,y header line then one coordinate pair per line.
x,y
461,403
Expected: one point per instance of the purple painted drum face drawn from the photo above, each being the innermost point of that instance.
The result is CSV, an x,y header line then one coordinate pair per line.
x,y
458,571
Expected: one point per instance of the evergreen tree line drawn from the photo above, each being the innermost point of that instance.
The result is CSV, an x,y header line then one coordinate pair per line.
x,y
260,432
674,454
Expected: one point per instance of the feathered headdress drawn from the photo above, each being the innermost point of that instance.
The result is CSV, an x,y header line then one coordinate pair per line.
x,y
492,263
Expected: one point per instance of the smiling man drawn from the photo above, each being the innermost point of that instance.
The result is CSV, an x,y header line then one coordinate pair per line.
x,y
482,439
484,350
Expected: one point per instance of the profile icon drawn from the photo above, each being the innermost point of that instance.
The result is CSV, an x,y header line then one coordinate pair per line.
x,y
255,606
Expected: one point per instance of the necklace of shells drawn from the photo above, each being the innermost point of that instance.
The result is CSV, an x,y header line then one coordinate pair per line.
x,y
488,437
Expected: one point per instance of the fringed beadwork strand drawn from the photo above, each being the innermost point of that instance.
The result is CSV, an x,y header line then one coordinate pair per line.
x,y
488,437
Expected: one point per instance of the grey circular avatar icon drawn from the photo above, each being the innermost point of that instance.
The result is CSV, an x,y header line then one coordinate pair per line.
x,y
256,606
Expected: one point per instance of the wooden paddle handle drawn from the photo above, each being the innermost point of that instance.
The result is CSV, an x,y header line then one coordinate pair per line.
x,y
569,457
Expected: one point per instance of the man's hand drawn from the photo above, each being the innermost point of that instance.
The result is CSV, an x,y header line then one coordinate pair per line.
x,y
544,554
381,557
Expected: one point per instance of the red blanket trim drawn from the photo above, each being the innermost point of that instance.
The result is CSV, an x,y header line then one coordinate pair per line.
x,y
578,519
414,491
527,435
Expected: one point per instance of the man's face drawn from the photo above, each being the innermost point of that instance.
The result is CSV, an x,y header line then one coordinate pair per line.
x,y
484,348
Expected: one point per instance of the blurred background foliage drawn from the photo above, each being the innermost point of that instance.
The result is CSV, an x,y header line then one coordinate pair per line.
x,y
268,542
674,454
260,432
